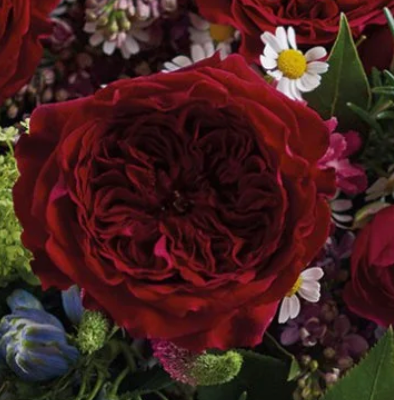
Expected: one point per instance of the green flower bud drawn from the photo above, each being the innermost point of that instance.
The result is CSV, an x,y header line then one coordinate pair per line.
x,y
211,369
92,332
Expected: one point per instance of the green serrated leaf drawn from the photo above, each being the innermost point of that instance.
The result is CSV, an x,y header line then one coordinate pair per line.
x,y
294,371
372,378
260,376
345,82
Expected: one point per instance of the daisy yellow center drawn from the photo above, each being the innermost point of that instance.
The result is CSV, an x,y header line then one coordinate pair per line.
x,y
292,63
221,33
295,288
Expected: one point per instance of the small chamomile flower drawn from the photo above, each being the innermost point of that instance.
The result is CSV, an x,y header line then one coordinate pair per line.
x,y
206,39
307,286
294,71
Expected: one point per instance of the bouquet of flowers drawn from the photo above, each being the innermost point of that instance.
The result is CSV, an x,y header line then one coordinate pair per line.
x,y
197,199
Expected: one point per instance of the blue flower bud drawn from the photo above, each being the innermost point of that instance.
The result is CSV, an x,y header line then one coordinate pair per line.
x,y
72,304
33,342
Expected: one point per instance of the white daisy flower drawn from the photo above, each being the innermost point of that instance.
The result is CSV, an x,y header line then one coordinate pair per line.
x,y
295,72
307,286
340,209
206,39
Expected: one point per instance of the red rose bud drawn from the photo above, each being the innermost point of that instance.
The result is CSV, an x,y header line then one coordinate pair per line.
x,y
371,290
183,218
316,22
23,22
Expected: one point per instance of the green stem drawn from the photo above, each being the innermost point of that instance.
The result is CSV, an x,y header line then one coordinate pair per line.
x,y
118,381
128,354
278,346
82,389
161,395
98,385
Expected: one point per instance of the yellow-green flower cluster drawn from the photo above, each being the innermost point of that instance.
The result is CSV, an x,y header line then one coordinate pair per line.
x,y
14,258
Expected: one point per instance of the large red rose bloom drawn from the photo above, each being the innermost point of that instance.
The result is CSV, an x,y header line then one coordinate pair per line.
x,y
371,290
22,23
185,204
315,22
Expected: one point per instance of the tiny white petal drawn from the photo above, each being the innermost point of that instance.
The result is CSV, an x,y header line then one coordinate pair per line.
x,y
310,291
341,205
198,22
316,53
295,307
309,82
132,45
197,52
280,34
109,47
142,35
277,74
292,37
343,218
96,39
90,27
314,273
284,86
271,40
268,63
295,93
284,310
270,52
317,67
182,61
209,49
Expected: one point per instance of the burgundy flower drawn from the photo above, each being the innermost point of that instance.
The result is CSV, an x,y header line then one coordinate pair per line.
x,y
316,22
185,204
22,24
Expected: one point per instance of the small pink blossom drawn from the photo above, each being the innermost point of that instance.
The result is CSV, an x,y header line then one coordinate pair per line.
x,y
351,178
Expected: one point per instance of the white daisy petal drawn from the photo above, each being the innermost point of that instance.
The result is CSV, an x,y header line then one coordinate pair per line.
x,y
197,52
316,53
209,49
317,67
169,66
284,86
295,307
308,82
310,291
271,40
268,63
314,273
295,93
343,218
270,52
276,74
284,310
280,34
341,205
182,61
199,22
292,37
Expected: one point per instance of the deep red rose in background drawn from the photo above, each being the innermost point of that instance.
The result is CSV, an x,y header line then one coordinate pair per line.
x,y
371,290
185,204
22,23
315,22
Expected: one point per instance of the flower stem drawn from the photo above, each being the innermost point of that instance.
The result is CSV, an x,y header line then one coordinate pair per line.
x,y
97,386
118,381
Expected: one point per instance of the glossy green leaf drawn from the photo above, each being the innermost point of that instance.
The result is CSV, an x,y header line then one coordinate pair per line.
x,y
372,378
345,82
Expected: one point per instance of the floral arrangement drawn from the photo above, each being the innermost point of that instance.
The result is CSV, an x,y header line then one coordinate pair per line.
x,y
197,200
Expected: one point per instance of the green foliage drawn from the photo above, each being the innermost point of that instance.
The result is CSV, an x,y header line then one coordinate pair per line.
x,y
14,258
261,377
92,332
372,378
213,369
345,82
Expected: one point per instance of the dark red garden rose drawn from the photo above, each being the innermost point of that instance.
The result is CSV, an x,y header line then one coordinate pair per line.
x,y
22,24
185,204
371,290
315,22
